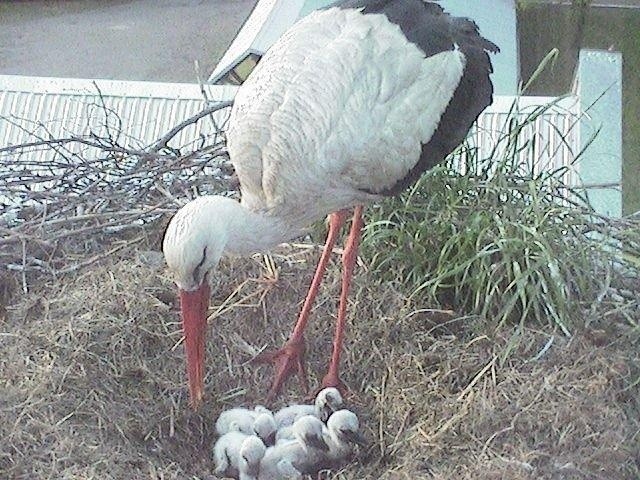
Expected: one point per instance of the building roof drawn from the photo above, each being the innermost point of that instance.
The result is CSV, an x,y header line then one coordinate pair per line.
x,y
271,18
595,3
268,20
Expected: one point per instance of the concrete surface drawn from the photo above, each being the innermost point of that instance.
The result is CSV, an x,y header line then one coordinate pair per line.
x,y
155,40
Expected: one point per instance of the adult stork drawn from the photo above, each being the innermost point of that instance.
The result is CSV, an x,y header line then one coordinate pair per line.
x,y
353,103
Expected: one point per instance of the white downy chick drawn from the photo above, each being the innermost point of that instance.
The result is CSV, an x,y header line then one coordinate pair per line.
x,y
252,451
240,419
294,458
264,426
226,453
290,432
327,401
285,434
341,434
262,409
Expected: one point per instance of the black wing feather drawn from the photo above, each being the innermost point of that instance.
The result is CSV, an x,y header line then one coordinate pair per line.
x,y
428,26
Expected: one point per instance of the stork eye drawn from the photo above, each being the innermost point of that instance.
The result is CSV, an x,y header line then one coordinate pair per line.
x,y
196,271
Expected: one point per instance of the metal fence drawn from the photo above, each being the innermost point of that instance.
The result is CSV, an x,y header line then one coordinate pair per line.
x,y
136,114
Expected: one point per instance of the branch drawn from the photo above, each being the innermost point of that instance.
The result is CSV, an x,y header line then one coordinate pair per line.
x,y
84,192
164,140
106,147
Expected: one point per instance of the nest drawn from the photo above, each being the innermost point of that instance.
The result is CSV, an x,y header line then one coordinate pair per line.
x,y
66,203
92,365
93,379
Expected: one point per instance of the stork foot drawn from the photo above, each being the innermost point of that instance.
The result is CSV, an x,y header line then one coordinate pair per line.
x,y
331,380
287,361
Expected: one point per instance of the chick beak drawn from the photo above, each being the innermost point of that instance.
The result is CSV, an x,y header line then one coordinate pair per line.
x,y
317,442
194,307
356,437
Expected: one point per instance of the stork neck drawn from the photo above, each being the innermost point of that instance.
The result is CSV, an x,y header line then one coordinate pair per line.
x,y
254,231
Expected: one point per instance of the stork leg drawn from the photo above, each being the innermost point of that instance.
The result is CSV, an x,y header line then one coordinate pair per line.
x,y
349,257
290,358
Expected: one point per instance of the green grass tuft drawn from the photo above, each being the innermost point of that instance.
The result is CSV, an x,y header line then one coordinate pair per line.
x,y
501,241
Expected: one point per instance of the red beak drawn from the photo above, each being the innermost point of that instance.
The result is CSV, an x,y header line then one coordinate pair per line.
x,y
194,307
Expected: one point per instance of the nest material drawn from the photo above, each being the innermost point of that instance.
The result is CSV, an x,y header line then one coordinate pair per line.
x,y
92,373
66,203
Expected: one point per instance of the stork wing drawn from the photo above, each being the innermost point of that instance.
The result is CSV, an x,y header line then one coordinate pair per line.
x,y
344,103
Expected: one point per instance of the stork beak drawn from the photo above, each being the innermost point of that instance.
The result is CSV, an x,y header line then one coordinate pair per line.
x,y
194,307
316,442
325,413
357,438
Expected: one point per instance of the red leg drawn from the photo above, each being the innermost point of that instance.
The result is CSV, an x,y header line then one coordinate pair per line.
x,y
349,257
290,358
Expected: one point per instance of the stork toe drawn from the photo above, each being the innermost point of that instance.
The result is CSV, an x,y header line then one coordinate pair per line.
x,y
333,380
287,361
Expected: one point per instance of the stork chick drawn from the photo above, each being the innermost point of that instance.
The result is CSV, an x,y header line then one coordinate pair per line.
x,y
294,458
240,419
226,454
252,451
341,433
327,401
264,426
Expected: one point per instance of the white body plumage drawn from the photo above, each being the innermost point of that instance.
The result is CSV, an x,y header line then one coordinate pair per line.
x,y
340,104
252,451
259,421
295,457
341,434
326,402
294,454
238,455
336,110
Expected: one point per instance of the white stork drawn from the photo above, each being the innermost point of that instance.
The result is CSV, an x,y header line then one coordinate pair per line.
x,y
292,458
326,402
237,455
353,103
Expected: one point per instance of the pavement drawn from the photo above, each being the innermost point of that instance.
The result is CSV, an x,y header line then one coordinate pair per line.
x,y
155,40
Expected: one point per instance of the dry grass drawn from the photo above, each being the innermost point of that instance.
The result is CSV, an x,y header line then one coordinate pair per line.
x,y
92,380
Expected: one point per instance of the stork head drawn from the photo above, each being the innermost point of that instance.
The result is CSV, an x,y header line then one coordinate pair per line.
x,y
195,240
308,430
251,452
193,244
345,426
264,426
327,401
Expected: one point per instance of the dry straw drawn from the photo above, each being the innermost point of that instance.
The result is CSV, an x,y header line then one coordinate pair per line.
x,y
457,351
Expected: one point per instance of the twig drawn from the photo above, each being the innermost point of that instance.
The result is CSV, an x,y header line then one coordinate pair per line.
x,y
164,140
544,350
84,141
97,258
450,422
25,287
476,379
95,186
